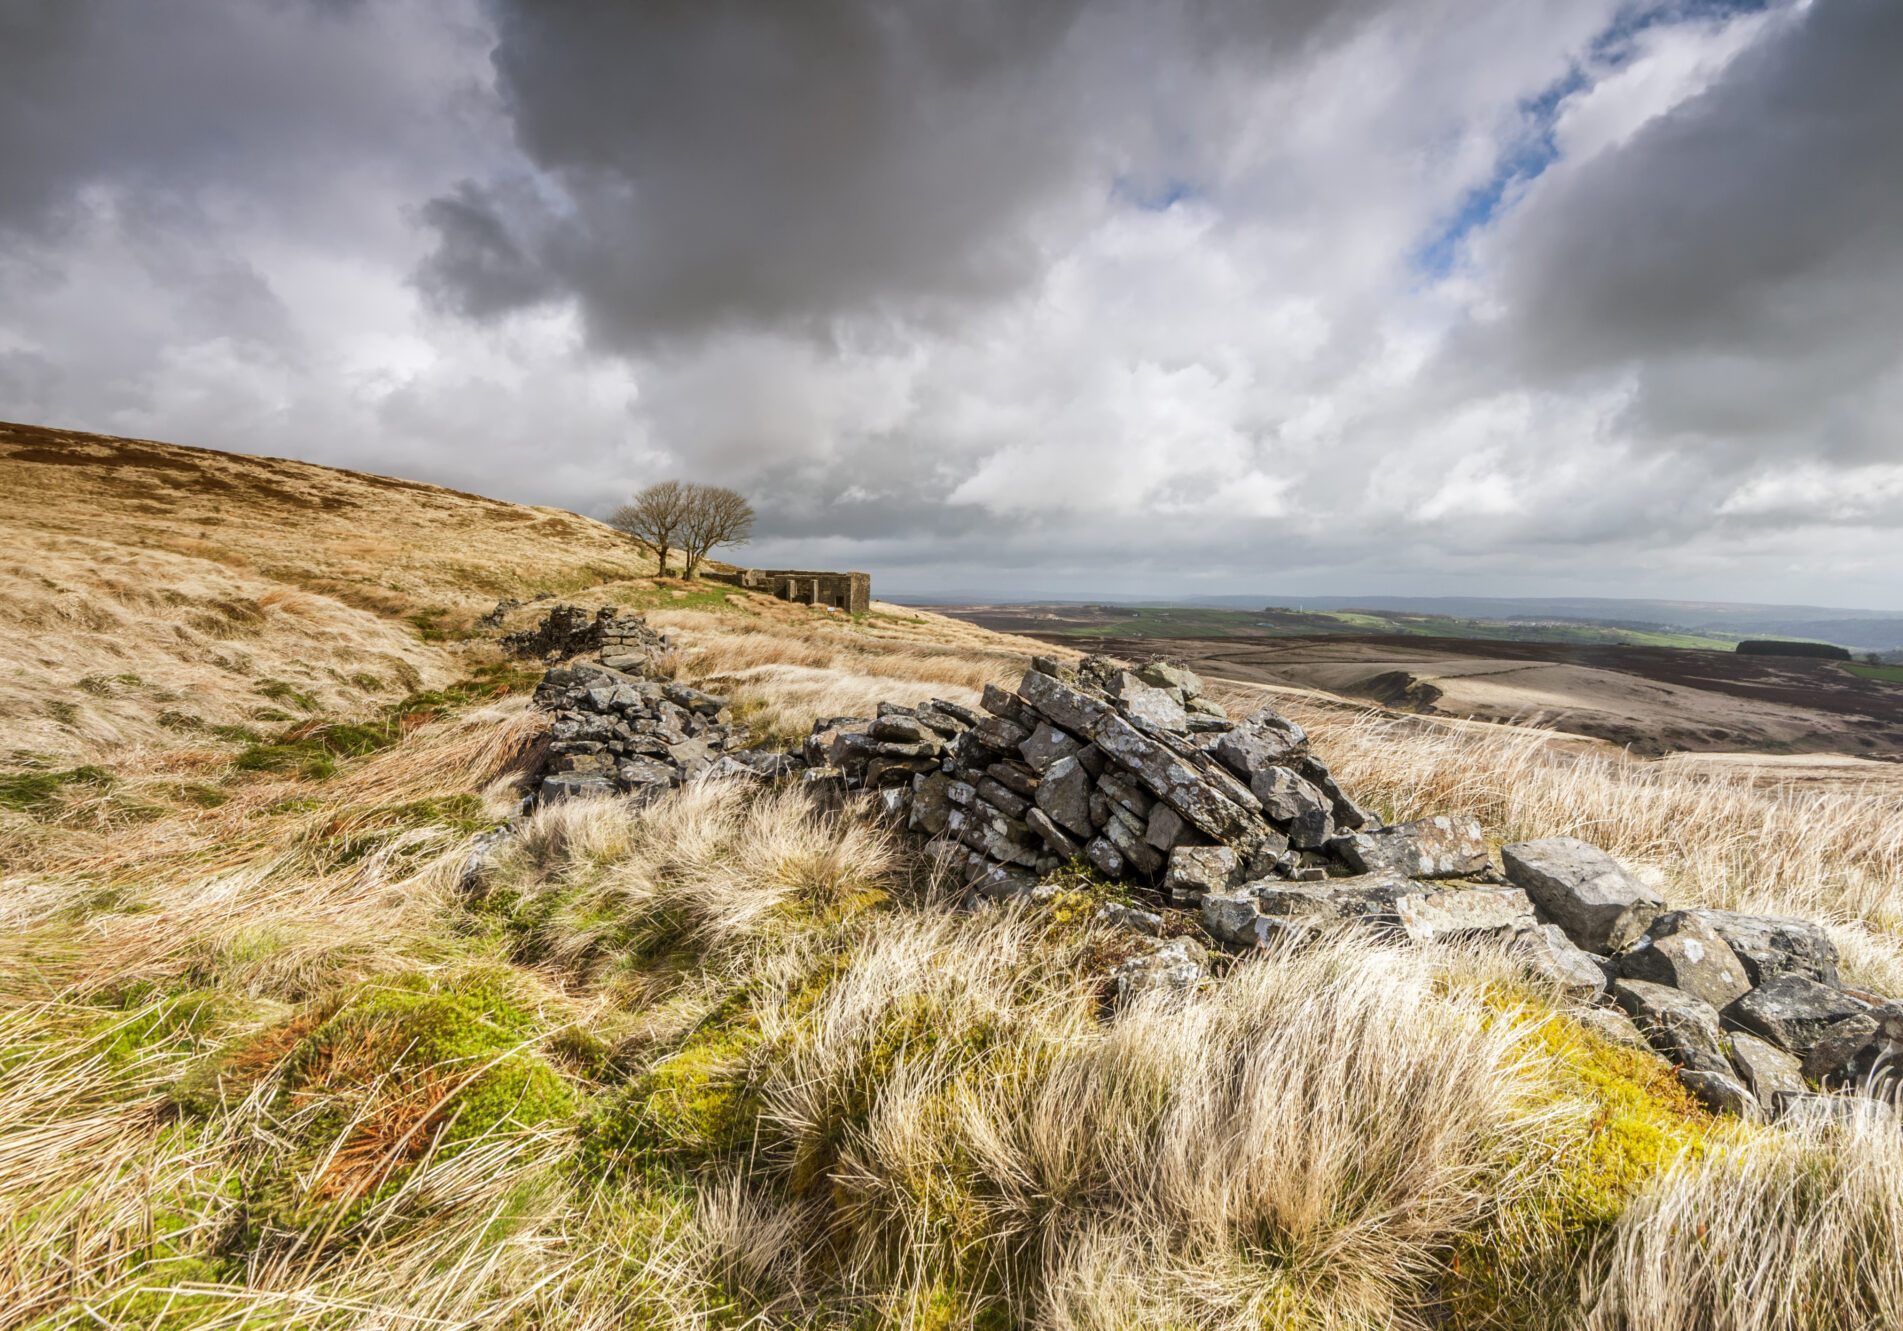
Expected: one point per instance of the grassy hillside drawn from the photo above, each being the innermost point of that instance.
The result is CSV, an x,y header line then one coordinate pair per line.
x,y
268,1058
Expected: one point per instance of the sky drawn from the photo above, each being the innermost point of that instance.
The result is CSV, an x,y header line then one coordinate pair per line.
x,y
1010,298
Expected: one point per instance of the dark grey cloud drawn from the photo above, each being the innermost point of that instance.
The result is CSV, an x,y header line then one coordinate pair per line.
x,y
1740,258
735,163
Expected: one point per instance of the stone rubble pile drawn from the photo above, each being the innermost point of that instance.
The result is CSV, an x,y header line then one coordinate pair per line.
x,y
624,641
618,730
1241,837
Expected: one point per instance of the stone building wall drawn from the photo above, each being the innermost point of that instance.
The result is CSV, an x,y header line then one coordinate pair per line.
x,y
851,592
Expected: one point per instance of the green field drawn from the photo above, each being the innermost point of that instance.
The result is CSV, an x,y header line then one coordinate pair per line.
x,y
1195,622
1885,674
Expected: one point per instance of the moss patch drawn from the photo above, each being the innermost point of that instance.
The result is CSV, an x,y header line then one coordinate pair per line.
x,y
1523,1269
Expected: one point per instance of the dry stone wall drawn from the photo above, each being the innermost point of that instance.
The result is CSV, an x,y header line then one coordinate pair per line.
x,y
1239,839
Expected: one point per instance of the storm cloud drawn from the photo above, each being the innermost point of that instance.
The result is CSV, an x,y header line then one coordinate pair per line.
x,y
1568,296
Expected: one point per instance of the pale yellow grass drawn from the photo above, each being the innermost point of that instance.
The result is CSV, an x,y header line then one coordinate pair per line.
x,y
1730,838
392,545
1800,1228
104,647
788,673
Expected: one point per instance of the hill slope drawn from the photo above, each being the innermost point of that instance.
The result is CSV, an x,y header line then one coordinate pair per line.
x,y
272,1055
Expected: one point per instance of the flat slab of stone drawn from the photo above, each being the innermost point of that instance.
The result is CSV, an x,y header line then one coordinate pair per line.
x,y
1792,1011
1453,912
1444,846
1172,779
1583,890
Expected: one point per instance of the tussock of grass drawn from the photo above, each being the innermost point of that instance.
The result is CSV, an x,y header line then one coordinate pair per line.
x,y
1793,1228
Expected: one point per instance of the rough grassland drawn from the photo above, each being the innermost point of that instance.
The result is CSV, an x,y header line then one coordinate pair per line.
x,y
267,1059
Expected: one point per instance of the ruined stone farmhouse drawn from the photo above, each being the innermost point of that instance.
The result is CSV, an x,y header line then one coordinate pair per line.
x,y
851,592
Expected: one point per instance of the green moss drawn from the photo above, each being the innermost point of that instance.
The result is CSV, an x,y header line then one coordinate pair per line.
x,y
279,691
369,1085
694,1104
312,749
1523,1269
39,792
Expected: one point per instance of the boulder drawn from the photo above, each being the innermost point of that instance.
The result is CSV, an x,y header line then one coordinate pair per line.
x,y
1448,912
1154,709
1000,797
1196,871
903,730
1681,950
575,785
1720,1092
1772,945
1060,842
1839,1055
1792,1011
1165,828
1766,1070
1126,834
1064,794
1230,917
1583,890
1553,959
1105,858
1064,706
1015,777
931,802
999,733
1438,847
1683,1028
1178,680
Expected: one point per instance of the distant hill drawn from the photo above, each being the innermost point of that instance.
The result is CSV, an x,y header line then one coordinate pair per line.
x,y
1862,630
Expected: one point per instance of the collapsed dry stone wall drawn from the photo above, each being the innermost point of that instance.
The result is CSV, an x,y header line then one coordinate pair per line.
x,y
1240,840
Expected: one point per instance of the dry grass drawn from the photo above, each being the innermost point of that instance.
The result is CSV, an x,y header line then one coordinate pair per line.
x,y
1823,850
1797,1228
788,671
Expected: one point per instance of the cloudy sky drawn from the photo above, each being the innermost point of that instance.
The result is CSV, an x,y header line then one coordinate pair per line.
x,y
1001,297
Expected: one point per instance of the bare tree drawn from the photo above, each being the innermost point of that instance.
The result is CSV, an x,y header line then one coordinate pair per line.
x,y
715,516
656,517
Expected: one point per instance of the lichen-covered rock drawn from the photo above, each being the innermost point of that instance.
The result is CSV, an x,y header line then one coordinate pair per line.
x,y
1683,1028
1843,1051
1719,1092
1550,956
1766,1070
1175,966
1792,1011
1583,890
1439,847
1196,871
1064,795
1046,745
1448,912
1772,945
1678,948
